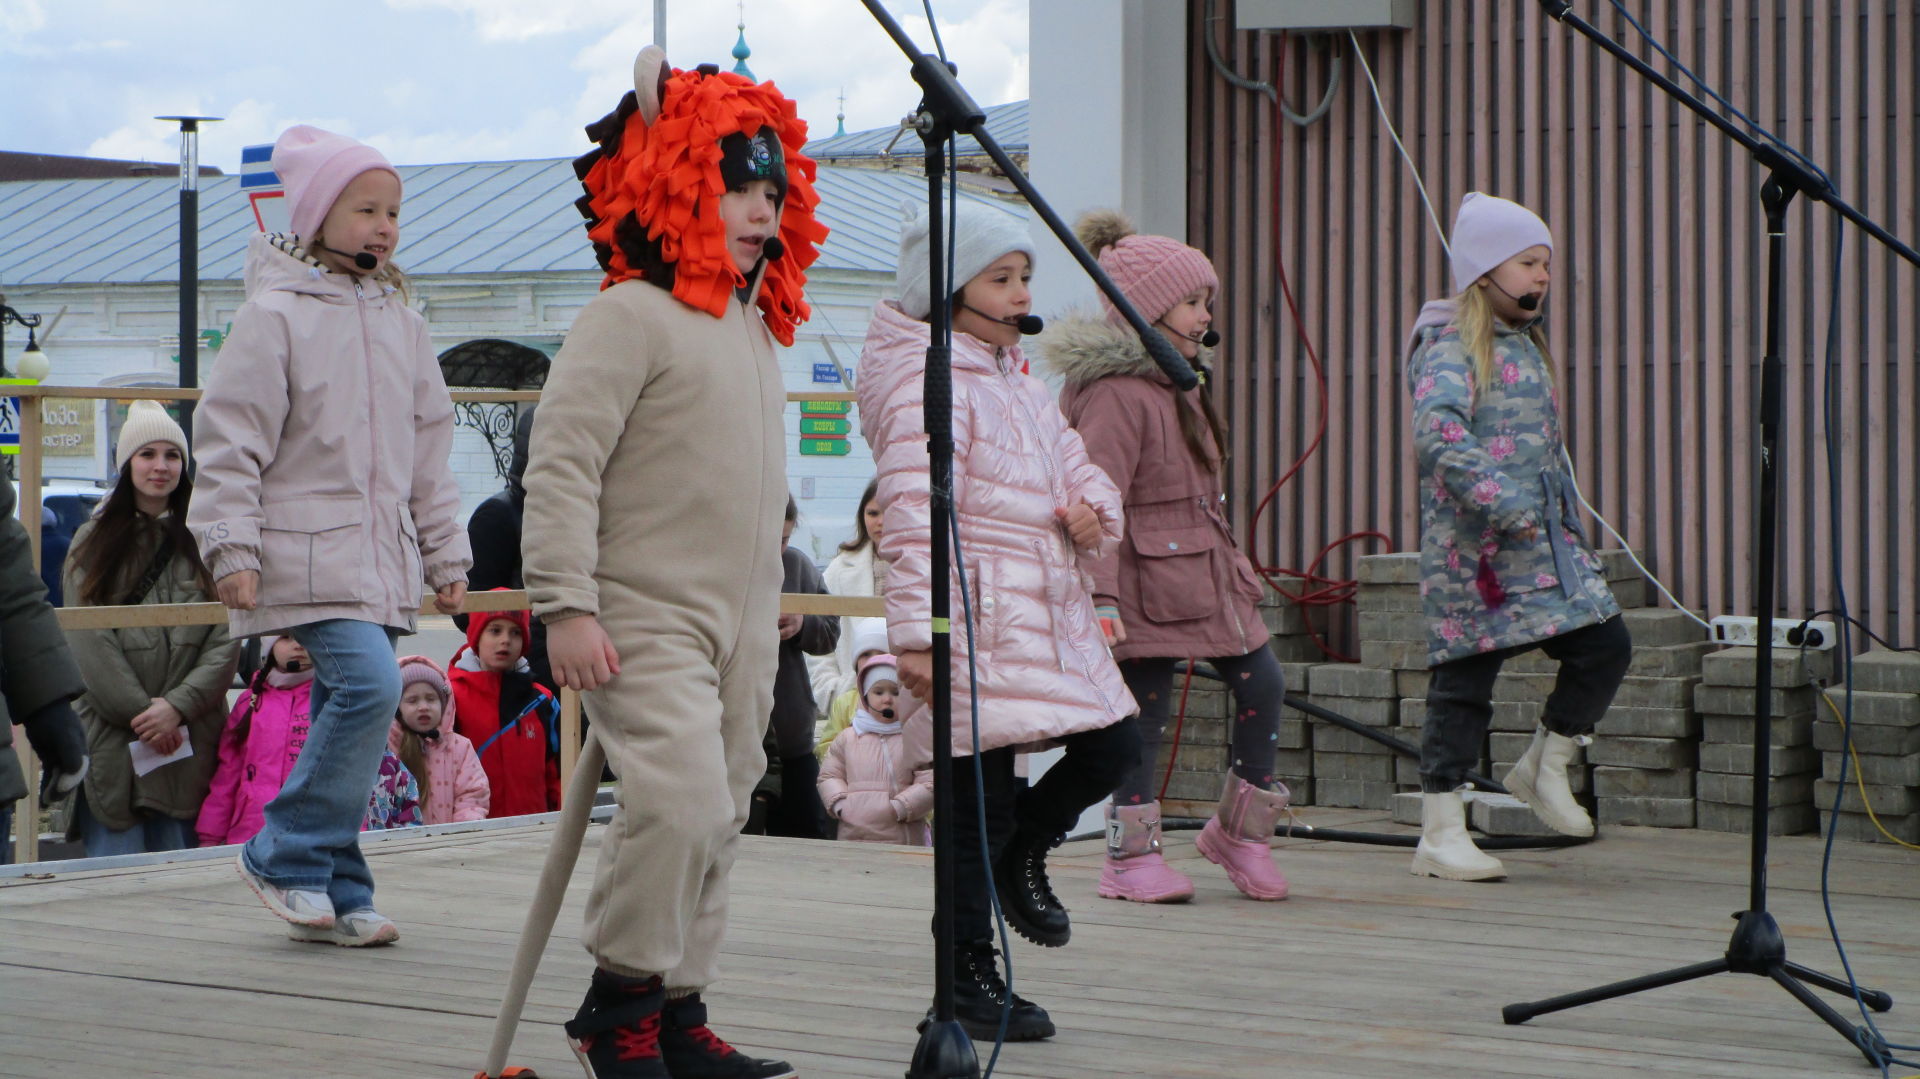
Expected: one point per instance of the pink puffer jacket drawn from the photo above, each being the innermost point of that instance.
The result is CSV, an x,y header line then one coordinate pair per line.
x,y
868,785
255,762
456,785
1043,669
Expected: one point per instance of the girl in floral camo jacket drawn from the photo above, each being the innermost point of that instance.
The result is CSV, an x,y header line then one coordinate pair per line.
x,y
1504,565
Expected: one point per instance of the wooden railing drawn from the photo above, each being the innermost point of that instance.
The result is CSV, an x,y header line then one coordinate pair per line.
x,y
27,810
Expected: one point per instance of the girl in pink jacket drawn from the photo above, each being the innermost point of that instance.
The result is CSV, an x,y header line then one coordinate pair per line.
x,y
453,785
261,741
1179,586
1034,516
867,782
326,504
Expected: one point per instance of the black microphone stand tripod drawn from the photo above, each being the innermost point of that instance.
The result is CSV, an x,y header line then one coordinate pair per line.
x,y
945,1051
1757,946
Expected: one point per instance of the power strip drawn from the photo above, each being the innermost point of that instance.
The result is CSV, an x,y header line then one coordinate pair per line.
x,y
1787,633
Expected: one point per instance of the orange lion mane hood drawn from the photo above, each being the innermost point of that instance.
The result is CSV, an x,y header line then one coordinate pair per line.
x,y
653,189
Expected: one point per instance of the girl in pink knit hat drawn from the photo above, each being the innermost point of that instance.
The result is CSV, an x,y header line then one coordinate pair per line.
x,y
326,504
1177,586
1504,565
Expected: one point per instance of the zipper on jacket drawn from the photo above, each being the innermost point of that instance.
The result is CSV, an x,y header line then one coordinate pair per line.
x,y
1239,628
373,432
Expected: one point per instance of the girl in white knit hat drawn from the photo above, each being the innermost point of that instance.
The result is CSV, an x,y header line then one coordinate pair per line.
x,y
1035,515
1504,565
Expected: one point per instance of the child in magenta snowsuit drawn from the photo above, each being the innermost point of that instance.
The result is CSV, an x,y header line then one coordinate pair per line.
x,y
262,739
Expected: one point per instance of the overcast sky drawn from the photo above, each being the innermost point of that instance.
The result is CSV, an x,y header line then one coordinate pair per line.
x,y
429,81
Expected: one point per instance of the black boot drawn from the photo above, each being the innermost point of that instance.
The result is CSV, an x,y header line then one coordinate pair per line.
x,y
1026,897
694,1052
616,1032
979,995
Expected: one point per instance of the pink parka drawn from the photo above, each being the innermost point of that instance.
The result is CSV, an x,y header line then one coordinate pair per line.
x,y
1044,671
1180,581
322,442
456,784
254,764
877,795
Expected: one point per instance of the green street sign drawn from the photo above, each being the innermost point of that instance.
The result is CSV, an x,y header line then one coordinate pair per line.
x,y
826,408
811,426
825,447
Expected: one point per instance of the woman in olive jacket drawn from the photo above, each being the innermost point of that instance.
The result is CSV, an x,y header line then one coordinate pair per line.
x,y
161,687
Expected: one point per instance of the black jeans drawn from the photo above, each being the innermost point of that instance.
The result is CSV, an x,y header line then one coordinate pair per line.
x,y
1093,765
1258,686
1593,660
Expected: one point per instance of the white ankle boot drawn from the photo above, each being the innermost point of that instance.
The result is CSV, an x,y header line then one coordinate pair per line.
x,y
1445,850
1539,779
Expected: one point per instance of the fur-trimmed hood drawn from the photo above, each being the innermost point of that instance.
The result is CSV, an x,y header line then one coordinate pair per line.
x,y
1082,347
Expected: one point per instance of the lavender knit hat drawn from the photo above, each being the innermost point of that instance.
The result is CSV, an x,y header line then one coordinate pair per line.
x,y
1488,231
422,669
1155,272
316,166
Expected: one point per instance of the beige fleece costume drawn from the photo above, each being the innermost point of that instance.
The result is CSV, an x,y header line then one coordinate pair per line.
x,y
655,491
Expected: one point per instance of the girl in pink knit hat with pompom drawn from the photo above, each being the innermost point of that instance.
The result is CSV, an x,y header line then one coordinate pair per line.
x,y
1177,587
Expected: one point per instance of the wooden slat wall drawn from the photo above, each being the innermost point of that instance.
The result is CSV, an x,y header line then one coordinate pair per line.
x,y
1657,315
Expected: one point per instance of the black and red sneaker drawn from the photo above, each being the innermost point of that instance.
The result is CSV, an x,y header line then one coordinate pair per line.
x,y
693,1051
616,1032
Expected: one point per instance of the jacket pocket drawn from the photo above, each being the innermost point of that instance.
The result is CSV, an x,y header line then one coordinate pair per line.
x,y
1176,572
311,551
416,575
988,610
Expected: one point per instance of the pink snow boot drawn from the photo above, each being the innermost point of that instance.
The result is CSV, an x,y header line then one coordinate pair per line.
x,y
1135,870
1236,839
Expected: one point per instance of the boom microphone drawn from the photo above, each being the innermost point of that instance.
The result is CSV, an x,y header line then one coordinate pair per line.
x,y
1028,325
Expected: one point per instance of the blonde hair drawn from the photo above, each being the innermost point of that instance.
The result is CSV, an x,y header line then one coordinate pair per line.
x,y
1474,318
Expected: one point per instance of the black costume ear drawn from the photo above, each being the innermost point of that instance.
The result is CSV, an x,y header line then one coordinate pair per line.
x,y
650,74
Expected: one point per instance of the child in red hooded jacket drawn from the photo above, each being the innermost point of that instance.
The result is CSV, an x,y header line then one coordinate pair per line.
x,y
512,720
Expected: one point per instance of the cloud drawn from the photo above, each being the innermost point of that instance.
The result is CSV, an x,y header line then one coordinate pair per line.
x,y
447,79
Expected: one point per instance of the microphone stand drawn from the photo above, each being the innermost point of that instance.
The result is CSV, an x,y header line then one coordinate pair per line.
x,y
1757,946
946,109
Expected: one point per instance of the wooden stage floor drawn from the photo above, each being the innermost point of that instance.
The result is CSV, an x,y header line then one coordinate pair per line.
x,y
1366,971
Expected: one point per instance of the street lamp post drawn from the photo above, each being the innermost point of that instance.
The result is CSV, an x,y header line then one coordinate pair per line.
x,y
189,258
33,362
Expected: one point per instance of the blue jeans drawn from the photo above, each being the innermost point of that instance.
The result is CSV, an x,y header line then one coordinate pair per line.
x,y
155,832
311,838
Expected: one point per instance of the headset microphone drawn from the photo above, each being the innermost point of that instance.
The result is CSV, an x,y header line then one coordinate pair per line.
x,y
772,248
360,259
1528,302
1204,340
1028,325
886,713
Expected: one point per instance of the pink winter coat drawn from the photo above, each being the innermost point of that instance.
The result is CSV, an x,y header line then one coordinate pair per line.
x,y
457,788
1044,671
1182,586
255,764
323,443
867,785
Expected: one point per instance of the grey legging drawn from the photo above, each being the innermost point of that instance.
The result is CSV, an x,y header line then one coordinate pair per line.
x,y
1257,685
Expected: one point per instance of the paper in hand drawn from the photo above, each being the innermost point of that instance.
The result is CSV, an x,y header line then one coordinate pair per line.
x,y
146,758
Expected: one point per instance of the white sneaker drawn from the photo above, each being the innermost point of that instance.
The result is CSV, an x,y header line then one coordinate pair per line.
x,y
356,929
302,908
